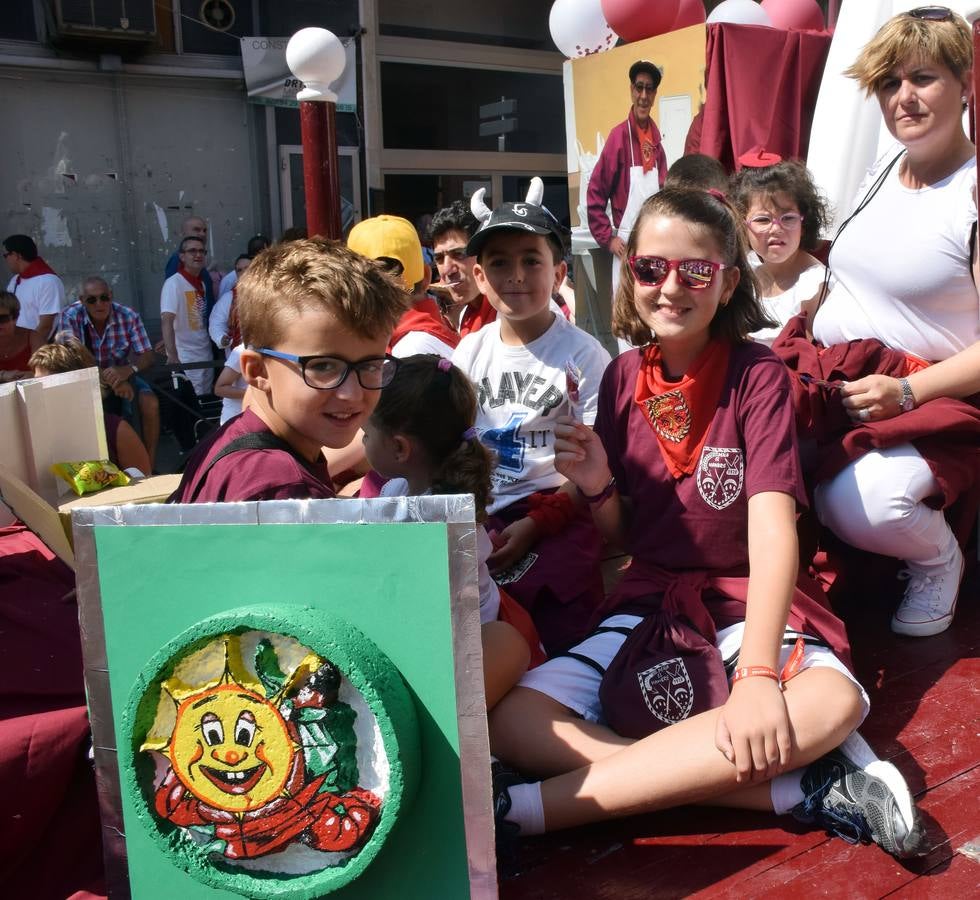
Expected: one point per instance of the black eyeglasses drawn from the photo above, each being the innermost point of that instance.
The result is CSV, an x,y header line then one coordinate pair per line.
x,y
329,372
644,87
7,317
92,299
932,13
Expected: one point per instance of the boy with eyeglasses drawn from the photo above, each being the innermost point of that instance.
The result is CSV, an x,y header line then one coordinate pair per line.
x,y
315,320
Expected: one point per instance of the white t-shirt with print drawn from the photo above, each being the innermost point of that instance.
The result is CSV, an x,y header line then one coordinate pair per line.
x,y
521,391
179,297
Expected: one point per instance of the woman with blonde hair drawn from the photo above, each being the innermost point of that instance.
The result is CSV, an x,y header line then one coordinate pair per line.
x,y
900,329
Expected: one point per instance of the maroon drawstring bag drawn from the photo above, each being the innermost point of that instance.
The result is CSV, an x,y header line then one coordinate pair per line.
x,y
667,669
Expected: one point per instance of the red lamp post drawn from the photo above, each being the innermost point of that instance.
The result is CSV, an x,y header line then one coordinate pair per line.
x,y
316,57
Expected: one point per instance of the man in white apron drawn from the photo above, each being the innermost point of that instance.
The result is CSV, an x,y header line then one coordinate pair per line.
x,y
631,167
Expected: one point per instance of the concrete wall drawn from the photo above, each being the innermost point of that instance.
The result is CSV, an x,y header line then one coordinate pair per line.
x,y
101,169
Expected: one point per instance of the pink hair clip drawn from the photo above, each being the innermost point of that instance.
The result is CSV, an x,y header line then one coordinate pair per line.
x,y
444,364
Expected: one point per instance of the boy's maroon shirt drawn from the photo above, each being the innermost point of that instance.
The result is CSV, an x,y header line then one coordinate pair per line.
x,y
248,474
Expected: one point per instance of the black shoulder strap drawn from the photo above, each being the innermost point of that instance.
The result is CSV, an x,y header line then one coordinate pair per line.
x,y
875,187
254,440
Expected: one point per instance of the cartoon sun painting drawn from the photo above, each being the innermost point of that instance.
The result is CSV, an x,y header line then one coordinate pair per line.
x,y
256,754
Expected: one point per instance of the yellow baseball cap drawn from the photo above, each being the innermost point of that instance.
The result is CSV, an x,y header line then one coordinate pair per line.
x,y
393,237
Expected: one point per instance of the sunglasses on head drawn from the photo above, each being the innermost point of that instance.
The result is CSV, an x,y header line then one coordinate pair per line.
x,y
7,317
696,274
95,298
932,13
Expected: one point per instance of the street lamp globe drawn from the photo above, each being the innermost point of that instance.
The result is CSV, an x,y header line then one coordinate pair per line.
x,y
317,58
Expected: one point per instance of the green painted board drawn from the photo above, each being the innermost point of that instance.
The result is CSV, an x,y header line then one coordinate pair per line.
x,y
157,581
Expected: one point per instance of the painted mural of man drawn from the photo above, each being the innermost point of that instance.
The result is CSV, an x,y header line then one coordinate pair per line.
x,y
631,167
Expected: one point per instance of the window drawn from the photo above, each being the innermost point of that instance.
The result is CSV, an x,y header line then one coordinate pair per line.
x,y
438,108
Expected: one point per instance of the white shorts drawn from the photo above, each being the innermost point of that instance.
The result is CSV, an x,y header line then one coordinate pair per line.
x,y
575,684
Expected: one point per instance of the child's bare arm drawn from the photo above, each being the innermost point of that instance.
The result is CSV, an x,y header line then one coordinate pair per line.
x,y
753,728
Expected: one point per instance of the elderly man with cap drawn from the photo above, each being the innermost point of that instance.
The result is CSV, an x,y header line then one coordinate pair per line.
x,y
394,243
631,167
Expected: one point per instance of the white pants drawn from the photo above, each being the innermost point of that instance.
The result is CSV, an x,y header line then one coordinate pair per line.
x,y
875,504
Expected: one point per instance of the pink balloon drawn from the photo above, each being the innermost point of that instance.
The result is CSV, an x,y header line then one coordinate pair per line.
x,y
786,14
634,20
689,12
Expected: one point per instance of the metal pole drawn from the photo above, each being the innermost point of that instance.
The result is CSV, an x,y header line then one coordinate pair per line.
x,y
321,177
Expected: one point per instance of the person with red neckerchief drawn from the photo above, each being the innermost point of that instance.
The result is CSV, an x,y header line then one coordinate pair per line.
x,y
714,673
36,285
631,167
183,315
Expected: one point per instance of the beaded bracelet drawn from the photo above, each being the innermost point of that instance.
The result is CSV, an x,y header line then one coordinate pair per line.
x,y
750,671
602,496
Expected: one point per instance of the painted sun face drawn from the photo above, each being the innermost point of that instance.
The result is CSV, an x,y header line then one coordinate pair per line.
x,y
231,749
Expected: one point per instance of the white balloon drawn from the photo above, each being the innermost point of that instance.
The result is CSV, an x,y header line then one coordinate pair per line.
x,y
579,28
739,12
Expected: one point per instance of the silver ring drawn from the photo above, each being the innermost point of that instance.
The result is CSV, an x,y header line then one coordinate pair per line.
x,y
864,414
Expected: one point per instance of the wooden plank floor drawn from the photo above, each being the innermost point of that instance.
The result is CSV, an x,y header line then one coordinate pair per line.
x,y
925,717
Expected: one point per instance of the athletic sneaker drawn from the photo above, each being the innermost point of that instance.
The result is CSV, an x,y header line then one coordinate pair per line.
x,y
861,805
930,598
507,833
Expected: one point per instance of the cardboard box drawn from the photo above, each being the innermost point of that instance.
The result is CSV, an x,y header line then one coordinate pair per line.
x,y
146,490
53,525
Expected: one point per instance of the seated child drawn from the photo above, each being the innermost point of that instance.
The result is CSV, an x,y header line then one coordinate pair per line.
x,y
697,170
530,366
126,450
230,386
421,438
693,468
785,215
315,319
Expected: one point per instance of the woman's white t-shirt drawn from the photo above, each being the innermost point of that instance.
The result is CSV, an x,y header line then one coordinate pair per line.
x,y
902,269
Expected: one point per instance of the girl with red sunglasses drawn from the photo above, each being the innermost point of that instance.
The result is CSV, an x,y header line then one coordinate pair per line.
x,y
693,470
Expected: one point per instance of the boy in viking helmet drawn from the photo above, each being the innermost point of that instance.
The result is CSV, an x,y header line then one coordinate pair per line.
x,y
530,366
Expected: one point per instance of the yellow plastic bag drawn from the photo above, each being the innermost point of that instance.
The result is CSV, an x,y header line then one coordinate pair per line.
x,y
92,476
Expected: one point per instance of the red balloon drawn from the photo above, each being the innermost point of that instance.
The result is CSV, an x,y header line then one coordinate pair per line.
x,y
634,20
786,14
689,12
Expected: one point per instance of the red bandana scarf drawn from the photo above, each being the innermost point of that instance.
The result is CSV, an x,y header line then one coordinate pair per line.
x,y
234,331
680,412
645,136
35,267
475,319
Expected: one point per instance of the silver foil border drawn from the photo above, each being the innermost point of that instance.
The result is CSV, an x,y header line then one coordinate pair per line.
x,y
456,511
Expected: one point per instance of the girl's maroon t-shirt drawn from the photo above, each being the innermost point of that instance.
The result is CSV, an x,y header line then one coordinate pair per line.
x,y
700,522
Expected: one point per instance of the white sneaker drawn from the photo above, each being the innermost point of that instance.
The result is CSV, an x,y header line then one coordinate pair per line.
x,y
930,599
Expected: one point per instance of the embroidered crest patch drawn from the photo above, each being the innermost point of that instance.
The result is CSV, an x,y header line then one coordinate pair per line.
x,y
667,690
721,474
670,416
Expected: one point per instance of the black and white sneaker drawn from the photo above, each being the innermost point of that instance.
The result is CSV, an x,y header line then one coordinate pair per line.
x,y
507,832
861,803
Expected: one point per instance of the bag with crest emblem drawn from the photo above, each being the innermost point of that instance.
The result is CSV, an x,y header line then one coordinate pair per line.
x,y
667,669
